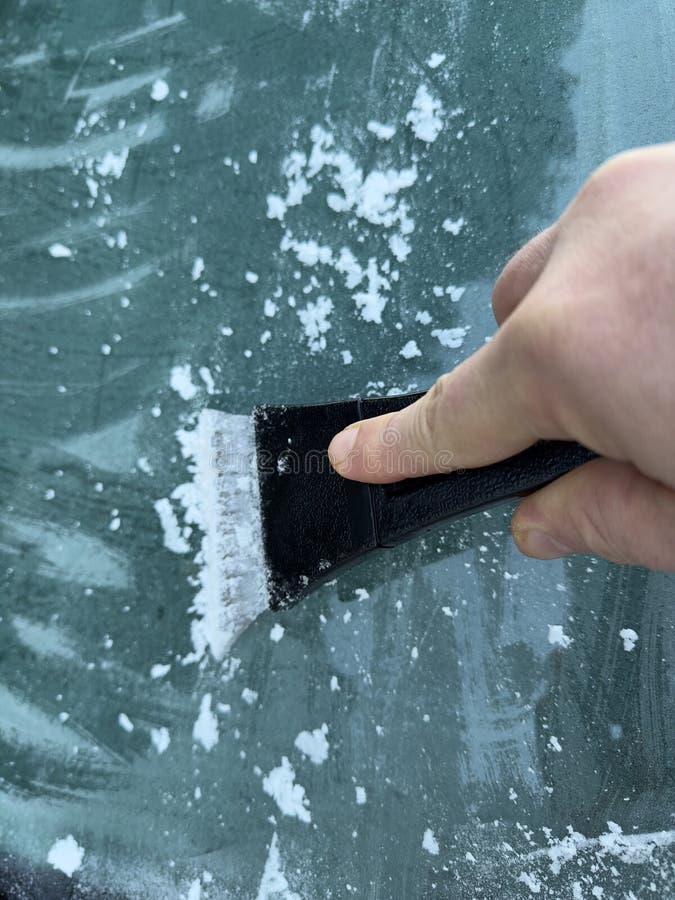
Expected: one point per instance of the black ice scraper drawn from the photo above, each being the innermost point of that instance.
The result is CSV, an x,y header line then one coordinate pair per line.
x,y
314,522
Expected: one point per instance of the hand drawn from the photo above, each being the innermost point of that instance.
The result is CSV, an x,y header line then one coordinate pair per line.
x,y
585,351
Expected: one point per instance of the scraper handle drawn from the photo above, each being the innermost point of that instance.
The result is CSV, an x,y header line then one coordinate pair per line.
x,y
403,508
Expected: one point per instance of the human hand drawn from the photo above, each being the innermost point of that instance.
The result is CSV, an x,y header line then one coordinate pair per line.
x,y
585,351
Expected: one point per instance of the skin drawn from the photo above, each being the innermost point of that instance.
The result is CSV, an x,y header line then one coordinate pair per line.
x,y
585,351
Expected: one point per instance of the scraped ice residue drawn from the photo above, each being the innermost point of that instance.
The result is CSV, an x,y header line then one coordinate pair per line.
x,y
66,855
220,504
290,797
274,884
429,842
205,730
314,744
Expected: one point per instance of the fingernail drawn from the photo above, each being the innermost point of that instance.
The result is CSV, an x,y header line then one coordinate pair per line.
x,y
341,447
539,544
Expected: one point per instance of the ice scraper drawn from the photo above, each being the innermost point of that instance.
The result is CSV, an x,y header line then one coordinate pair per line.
x,y
290,522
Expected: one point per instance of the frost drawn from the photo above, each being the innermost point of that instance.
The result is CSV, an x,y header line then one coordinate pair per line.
x,y
205,729
450,337
173,539
180,381
557,637
425,116
289,797
66,855
410,350
629,638
314,744
274,884
429,842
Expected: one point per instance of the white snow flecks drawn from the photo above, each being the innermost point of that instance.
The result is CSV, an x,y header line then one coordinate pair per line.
x,y
361,795
557,637
221,501
160,739
276,632
159,90
371,301
429,843
629,638
59,251
381,131
425,115
290,797
174,538
274,884
410,350
125,723
66,855
453,226
314,744
436,60
197,268
205,729
159,670
314,318
450,337
180,381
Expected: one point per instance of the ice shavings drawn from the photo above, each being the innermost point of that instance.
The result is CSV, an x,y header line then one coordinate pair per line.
x,y
450,337
436,60
429,843
205,729
314,744
174,539
159,90
557,637
160,739
125,723
372,301
60,251
274,884
221,501
425,115
410,350
180,381
314,318
381,131
629,638
276,632
361,795
453,226
290,797
66,855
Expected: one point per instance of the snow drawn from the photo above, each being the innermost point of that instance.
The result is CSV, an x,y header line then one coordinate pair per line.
x,y
160,738
276,632
248,696
314,744
66,855
453,226
60,251
180,381
629,638
425,115
159,670
429,843
173,539
436,60
197,268
289,797
159,90
423,317
450,337
314,319
274,884
125,723
557,637
372,302
205,729
409,350
361,795
554,744
382,132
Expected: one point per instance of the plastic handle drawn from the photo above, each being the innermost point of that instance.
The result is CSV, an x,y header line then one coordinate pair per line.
x,y
403,508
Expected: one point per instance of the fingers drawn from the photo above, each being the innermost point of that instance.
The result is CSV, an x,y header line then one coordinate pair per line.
x,y
607,508
521,272
477,414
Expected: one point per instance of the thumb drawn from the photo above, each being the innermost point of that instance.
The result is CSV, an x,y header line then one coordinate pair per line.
x,y
472,416
605,507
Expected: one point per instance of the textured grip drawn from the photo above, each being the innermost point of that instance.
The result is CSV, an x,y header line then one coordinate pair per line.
x,y
416,504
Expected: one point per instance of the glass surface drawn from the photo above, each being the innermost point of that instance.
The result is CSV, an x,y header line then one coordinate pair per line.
x,y
465,738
